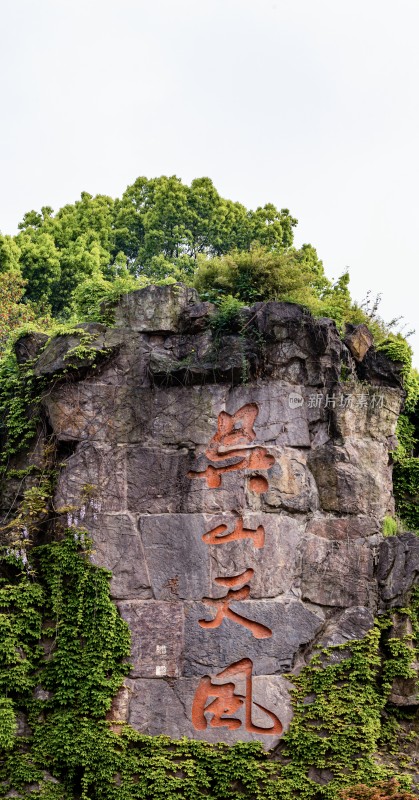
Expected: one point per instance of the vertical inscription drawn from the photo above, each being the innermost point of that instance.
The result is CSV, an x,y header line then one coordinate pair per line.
x,y
232,449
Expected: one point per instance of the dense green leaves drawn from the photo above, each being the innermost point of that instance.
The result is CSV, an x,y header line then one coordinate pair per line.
x,y
156,229
162,231
63,646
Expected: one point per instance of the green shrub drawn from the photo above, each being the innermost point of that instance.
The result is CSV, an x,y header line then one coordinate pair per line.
x,y
390,526
227,317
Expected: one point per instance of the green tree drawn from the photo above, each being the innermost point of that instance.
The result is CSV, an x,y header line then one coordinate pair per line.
x,y
159,227
263,274
40,263
13,313
9,254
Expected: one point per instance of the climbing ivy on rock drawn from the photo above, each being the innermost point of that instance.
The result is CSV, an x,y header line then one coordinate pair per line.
x,y
63,657
64,653
406,461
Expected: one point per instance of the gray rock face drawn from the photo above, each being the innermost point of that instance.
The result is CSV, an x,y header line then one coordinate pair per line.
x,y
398,568
236,491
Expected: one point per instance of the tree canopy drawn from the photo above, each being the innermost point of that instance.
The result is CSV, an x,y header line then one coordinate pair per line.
x,y
72,266
162,230
155,230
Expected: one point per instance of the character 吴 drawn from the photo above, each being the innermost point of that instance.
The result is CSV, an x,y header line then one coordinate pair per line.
x,y
233,443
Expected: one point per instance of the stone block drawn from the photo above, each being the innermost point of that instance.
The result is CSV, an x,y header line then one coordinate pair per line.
x,y
343,529
208,650
337,573
91,411
156,635
164,706
92,481
178,560
354,479
358,340
291,484
155,309
398,569
276,564
156,479
352,623
366,412
117,547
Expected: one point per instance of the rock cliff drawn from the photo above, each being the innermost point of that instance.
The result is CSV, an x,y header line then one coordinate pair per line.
x,y
235,485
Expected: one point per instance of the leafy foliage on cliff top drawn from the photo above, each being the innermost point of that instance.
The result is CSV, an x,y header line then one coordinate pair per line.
x,y
155,230
73,266
63,645
163,231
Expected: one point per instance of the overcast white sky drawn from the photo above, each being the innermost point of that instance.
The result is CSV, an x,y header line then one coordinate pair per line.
x,y
310,104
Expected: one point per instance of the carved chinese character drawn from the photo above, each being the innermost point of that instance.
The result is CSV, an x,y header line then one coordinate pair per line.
x,y
234,432
223,610
217,535
233,442
227,702
330,401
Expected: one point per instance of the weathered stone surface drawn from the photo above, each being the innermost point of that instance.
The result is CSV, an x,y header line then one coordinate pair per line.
x,y
337,573
129,365
162,707
353,623
366,412
343,529
276,565
300,349
156,479
155,309
353,479
118,547
197,317
56,357
379,370
398,568
291,484
170,541
404,691
28,347
184,359
157,637
278,423
91,411
194,427
91,481
210,650
358,340
232,481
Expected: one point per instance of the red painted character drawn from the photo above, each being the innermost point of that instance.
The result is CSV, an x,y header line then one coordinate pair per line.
x,y
233,440
222,604
226,702
218,536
